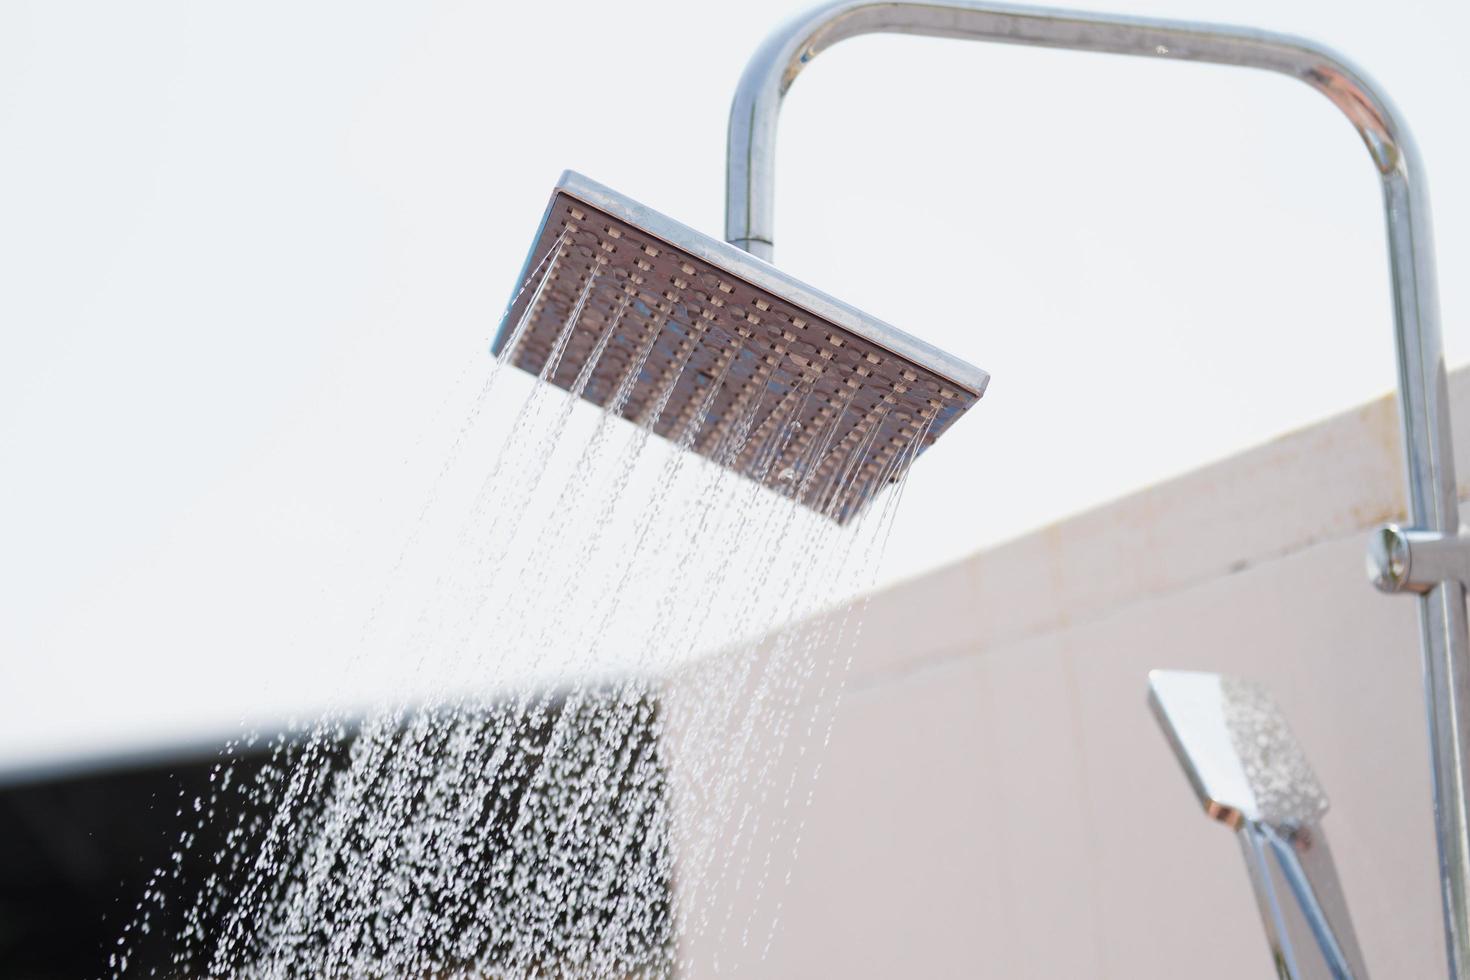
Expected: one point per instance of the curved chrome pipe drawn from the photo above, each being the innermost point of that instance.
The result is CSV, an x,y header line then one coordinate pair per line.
x,y
1422,391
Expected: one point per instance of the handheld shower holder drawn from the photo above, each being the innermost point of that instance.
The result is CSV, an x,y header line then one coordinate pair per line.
x,y
1430,560
1416,561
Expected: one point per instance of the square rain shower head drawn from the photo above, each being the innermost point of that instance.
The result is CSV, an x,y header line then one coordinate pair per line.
x,y
724,354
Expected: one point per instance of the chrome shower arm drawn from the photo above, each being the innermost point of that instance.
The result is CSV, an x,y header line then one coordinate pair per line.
x,y
754,114
1422,388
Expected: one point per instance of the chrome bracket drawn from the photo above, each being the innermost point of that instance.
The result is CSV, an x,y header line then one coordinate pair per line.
x,y
1415,560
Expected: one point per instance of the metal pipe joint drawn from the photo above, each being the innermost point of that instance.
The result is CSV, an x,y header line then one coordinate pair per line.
x,y
1416,560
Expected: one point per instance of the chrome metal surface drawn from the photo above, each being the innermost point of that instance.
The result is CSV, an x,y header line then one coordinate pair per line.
x,y
1407,560
1235,748
1250,773
1301,902
720,351
1422,391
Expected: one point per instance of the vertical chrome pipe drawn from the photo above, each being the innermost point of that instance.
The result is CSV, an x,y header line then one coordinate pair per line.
x,y
1422,387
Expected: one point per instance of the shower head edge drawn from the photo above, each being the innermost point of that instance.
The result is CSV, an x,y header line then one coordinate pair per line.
x,y
765,276
725,355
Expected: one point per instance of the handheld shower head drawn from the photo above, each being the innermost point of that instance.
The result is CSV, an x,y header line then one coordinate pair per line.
x,y
1250,773
720,351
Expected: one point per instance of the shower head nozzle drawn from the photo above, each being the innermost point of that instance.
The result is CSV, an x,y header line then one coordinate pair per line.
x,y
1235,747
724,354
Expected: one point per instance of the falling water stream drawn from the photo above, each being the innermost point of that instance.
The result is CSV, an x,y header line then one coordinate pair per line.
x,y
622,663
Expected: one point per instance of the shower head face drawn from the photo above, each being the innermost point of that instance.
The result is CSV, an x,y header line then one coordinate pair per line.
x,y
724,354
1236,748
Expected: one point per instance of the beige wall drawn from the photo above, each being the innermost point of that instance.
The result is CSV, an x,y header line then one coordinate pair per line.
x,y
996,800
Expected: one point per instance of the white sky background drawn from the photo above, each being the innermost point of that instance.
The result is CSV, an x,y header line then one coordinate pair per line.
x,y
250,256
